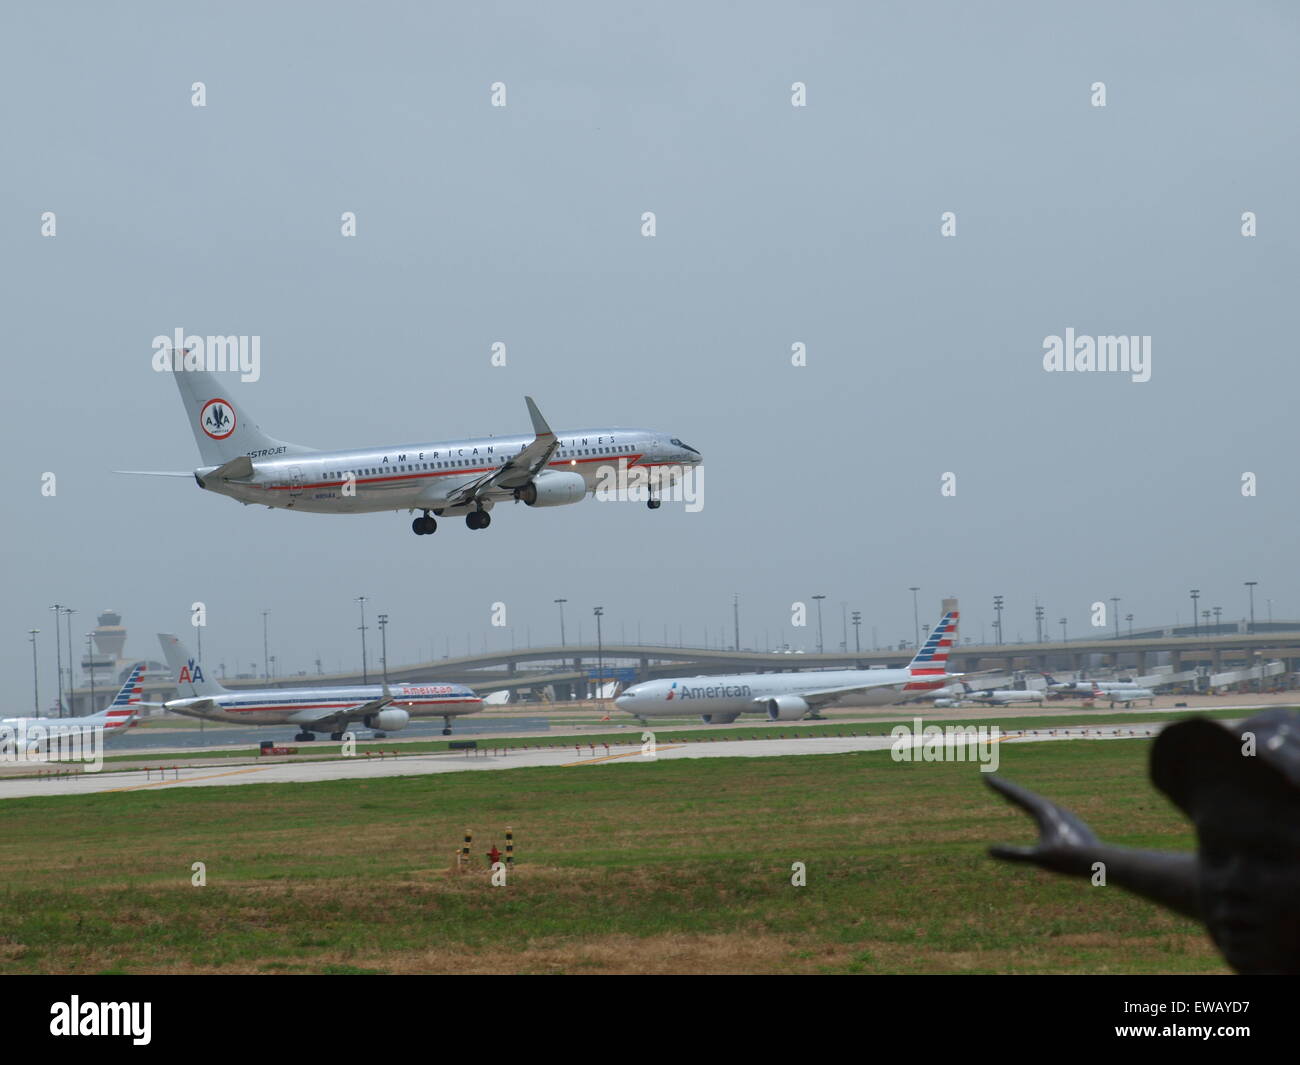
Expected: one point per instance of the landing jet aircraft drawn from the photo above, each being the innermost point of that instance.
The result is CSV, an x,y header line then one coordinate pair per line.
x,y
719,700
448,479
384,708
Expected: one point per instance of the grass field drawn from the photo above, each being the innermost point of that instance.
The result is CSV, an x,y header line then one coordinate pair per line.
x,y
666,867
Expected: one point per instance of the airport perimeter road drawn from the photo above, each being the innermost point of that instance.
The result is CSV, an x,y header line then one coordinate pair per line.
x,y
458,762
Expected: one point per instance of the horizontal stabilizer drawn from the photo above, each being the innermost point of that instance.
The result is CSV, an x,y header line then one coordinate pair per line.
x,y
237,469
157,473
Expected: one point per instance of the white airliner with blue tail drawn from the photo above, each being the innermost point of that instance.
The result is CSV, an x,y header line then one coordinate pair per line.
x,y
719,700
114,719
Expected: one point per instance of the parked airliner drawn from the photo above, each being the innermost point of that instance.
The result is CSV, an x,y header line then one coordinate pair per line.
x,y
719,700
379,707
447,478
114,719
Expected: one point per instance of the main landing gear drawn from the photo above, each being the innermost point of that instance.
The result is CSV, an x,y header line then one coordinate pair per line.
x,y
653,504
424,526
478,519
304,737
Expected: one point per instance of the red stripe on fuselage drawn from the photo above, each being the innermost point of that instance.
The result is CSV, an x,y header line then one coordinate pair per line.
x,y
632,460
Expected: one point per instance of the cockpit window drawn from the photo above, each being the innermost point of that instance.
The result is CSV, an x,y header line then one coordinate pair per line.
x,y
688,447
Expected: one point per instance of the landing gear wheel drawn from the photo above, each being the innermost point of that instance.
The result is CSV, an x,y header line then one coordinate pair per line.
x,y
304,737
446,732
446,725
478,519
336,736
653,504
379,736
424,526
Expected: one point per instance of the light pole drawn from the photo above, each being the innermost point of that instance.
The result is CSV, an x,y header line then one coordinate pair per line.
x,y
1038,619
735,611
67,614
1196,594
1063,639
1217,630
1250,585
997,607
820,645
560,603
1206,615
58,653
90,659
266,658
916,617
365,675
36,688
1129,619
857,631
383,645
600,652
1114,606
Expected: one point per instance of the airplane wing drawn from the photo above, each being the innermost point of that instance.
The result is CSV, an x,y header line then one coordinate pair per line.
x,y
519,470
319,718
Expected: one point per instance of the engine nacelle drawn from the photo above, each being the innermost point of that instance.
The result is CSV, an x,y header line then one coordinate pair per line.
x,y
718,719
553,488
786,708
388,720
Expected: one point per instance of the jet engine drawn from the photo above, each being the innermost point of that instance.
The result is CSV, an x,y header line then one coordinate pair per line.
x,y
553,488
786,708
718,719
387,720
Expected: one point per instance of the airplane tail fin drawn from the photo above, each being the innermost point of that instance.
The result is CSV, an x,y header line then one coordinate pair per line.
x,y
932,658
1049,678
222,428
125,707
186,670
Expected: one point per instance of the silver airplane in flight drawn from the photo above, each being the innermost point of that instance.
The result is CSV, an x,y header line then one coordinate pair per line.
x,y
384,708
719,700
449,478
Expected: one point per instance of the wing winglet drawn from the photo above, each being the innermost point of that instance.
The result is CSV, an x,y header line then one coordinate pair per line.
x,y
539,423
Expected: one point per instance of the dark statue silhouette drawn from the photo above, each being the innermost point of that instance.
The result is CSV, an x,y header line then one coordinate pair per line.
x,y
1240,787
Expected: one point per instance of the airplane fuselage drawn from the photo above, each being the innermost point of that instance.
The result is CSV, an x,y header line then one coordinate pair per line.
x,y
423,476
741,693
277,706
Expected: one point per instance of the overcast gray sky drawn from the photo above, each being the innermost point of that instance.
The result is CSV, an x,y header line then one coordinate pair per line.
x,y
776,225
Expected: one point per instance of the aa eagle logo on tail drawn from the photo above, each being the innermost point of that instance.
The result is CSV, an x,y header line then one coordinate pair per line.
x,y
217,419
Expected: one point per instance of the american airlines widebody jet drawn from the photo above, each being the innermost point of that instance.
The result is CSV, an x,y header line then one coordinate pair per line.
x,y
115,719
719,700
449,478
384,708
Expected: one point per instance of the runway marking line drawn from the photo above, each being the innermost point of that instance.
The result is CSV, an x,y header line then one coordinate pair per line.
x,y
627,754
187,780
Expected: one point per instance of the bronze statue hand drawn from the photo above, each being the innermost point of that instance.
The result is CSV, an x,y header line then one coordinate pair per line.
x,y
1065,844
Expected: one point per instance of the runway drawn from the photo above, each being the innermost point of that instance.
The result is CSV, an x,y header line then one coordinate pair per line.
x,y
484,759
215,738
